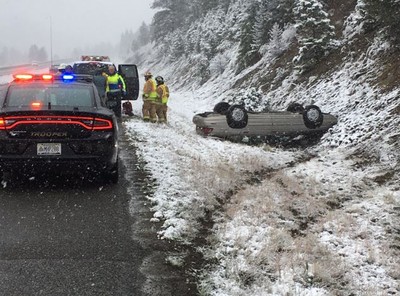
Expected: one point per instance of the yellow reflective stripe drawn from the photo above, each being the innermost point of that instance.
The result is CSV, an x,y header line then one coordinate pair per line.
x,y
153,94
164,99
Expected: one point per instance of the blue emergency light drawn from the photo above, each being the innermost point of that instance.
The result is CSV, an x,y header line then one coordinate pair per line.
x,y
68,77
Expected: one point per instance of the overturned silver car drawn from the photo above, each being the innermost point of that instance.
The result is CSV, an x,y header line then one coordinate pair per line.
x,y
234,122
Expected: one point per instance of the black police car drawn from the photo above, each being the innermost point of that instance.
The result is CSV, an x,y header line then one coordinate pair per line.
x,y
49,121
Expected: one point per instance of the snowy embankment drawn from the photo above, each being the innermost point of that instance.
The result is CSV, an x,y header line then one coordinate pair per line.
x,y
192,173
319,221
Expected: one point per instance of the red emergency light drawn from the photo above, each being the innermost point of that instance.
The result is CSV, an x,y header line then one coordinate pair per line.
x,y
27,77
47,77
23,76
36,105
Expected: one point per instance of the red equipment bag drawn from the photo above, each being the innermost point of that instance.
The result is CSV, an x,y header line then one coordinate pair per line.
x,y
127,107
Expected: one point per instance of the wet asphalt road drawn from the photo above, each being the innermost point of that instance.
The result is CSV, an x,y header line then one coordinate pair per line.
x,y
72,236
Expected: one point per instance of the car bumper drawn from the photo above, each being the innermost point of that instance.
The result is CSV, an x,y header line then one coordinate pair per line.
x,y
75,155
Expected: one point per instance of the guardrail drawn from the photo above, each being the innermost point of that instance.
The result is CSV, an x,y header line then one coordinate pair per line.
x,y
39,64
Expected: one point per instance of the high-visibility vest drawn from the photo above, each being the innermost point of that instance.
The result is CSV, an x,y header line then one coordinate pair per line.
x,y
150,90
115,83
165,96
153,94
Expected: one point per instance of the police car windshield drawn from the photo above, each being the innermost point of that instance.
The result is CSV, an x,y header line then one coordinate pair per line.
x,y
56,95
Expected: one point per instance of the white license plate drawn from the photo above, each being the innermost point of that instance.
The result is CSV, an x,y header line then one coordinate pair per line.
x,y
49,149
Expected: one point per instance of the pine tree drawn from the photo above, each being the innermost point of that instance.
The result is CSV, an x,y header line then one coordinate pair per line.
x,y
33,52
283,12
260,26
385,14
144,34
196,9
177,47
248,53
275,46
209,5
314,32
42,55
174,14
224,4
125,43
268,14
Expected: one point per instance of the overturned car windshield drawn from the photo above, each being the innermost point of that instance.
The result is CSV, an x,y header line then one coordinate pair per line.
x,y
56,95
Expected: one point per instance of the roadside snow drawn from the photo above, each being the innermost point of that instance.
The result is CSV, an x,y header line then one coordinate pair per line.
x,y
286,222
193,173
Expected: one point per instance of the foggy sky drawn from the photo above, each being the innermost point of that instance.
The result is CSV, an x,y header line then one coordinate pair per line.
x,y
74,23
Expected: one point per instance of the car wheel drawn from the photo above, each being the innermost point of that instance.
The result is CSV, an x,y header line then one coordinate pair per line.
x,y
237,116
295,108
221,108
312,116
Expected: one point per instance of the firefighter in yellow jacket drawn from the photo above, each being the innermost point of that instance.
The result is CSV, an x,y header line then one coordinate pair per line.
x,y
162,100
149,98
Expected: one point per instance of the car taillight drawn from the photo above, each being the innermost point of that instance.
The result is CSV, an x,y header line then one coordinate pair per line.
x,y
2,124
206,130
89,123
102,124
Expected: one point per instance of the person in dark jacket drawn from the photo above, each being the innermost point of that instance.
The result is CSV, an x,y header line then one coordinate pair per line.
x,y
100,81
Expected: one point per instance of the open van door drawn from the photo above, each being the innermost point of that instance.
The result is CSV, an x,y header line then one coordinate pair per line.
x,y
131,77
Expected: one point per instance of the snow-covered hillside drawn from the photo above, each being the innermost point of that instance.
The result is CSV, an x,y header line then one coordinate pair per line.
x,y
321,220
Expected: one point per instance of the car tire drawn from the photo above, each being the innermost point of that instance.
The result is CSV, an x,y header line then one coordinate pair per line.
x,y
295,108
237,116
221,108
312,117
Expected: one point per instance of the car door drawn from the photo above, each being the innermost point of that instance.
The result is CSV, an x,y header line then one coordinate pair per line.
x,y
130,74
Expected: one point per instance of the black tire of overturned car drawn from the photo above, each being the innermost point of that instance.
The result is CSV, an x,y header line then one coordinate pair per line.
x,y
221,108
237,116
295,108
312,116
